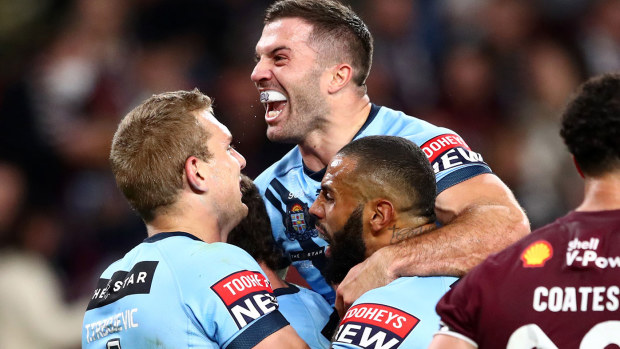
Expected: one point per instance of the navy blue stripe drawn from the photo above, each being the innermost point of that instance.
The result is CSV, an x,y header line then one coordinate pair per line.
x,y
259,330
283,192
291,289
161,236
330,328
274,201
462,175
374,110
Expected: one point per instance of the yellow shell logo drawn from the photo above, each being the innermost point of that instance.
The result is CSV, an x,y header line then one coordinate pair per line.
x,y
536,254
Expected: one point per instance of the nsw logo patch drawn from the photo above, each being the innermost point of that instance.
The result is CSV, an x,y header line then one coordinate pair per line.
x,y
371,325
247,295
299,223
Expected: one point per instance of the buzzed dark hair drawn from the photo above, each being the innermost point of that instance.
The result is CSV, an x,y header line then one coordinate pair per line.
x,y
253,233
337,28
397,168
591,125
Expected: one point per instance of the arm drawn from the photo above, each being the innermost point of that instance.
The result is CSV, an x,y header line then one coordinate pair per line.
x,y
442,341
480,216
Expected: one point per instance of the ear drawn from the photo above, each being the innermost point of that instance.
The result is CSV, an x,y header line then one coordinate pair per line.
x,y
341,75
382,215
194,172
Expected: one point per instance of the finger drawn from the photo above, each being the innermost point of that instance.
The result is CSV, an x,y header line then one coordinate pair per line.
x,y
339,305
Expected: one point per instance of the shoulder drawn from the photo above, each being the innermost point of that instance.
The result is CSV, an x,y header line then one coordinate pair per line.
x,y
289,162
392,122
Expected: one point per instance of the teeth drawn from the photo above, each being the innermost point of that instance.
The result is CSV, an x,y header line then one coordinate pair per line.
x,y
271,96
274,113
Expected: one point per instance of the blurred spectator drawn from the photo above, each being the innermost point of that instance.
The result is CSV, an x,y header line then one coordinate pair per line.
x,y
33,311
600,37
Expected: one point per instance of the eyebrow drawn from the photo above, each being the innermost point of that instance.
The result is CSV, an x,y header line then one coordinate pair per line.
x,y
273,51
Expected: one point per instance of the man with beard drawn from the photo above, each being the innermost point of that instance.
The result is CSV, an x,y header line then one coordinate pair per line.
x,y
309,313
312,62
379,191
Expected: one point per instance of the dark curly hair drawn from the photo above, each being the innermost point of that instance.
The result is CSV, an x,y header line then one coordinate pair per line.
x,y
253,233
591,125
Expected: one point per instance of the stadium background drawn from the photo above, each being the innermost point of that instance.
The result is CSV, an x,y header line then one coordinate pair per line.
x,y
496,71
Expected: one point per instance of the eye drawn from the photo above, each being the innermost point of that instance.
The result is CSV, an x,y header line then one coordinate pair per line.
x,y
327,195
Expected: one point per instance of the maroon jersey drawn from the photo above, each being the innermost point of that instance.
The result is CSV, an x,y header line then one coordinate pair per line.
x,y
556,288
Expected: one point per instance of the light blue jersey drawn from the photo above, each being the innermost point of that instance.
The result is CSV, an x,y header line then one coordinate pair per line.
x,y
289,188
176,291
400,314
309,314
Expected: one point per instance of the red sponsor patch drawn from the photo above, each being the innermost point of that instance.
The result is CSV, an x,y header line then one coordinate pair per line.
x,y
241,284
390,319
536,254
440,144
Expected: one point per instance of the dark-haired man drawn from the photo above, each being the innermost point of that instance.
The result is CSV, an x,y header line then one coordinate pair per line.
x,y
313,59
309,313
182,287
558,287
379,191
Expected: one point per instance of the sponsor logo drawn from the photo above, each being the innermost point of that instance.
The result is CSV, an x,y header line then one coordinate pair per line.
x,y
375,326
537,254
584,254
449,150
296,256
247,295
299,223
123,283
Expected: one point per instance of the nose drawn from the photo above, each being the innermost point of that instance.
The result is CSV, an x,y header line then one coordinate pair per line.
x,y
316,209
240,159
261,72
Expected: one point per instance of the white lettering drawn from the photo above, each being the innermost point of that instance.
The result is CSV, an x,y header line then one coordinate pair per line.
x,y
375,341
348,330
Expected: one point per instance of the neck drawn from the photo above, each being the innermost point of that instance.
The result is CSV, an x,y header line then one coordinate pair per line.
x,y
274,279
200,224
601,193
344,121
400,233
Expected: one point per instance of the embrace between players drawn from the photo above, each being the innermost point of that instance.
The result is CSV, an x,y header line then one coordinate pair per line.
x,y
380,212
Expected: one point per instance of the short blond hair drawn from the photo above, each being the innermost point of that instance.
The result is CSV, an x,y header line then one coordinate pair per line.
x,y
151,145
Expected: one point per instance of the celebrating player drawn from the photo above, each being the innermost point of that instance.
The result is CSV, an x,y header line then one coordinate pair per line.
x,y
380,191
309,314
558,287
182,287
313,59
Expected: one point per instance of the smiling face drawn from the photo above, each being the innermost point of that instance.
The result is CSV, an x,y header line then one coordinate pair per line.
x,y
289,77
224,173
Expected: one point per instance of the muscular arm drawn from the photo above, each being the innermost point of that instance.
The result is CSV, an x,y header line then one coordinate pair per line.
x,y
480,216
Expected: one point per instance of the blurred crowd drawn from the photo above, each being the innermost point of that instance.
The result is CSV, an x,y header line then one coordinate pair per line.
x,y
498,72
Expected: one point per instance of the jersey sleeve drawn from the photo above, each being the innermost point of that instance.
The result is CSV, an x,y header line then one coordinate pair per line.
x,y
236,309
453,161
458,309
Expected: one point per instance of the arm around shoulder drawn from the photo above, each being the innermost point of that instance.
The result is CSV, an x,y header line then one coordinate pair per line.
x,y
480,216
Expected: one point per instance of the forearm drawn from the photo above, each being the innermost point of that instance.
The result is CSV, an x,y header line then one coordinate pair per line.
x,y
460,245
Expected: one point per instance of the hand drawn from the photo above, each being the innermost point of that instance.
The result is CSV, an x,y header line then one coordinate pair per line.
x,y
370,274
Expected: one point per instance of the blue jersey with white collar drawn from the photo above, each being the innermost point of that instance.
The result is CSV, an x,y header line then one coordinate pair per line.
x,y
289,189
176,291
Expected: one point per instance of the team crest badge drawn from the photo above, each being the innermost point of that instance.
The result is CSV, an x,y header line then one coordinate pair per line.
x,y
299,223
537,254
